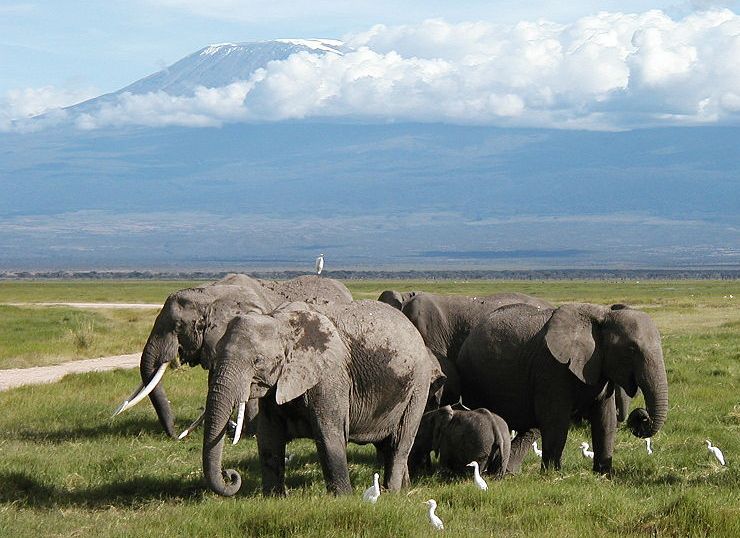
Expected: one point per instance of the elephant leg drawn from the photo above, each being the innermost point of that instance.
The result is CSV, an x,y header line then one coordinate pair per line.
x,y
331,439
271,441
520,446
603,417
554,436
400,443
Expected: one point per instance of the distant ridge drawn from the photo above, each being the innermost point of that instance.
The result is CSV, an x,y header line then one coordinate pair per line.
x,y
543,274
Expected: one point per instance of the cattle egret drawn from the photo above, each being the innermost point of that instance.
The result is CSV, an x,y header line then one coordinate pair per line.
x,y
320,263
536,450
477,478
373,492
586,452
716,452
649,444
512,434
434,518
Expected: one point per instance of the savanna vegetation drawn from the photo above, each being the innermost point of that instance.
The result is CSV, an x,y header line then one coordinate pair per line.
x,y
69,470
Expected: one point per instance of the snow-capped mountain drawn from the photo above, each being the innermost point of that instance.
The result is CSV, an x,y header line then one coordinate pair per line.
x,y
218,65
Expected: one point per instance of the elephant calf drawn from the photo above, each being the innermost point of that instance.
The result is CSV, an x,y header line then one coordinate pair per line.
x,y
461,436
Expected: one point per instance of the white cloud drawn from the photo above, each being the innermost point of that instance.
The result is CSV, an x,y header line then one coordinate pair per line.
x,y
18,105
605,71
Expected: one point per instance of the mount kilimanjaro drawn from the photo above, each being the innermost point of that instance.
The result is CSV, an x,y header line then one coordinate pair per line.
x,y
215,66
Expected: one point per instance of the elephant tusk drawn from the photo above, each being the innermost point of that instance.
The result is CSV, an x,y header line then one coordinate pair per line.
x,y
239,422
145,391
194,425
127,400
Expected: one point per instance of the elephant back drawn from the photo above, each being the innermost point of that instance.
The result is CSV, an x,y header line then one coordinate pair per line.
x,y
309,289
469,436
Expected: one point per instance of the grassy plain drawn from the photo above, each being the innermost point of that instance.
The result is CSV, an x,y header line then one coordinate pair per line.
x,y
68,470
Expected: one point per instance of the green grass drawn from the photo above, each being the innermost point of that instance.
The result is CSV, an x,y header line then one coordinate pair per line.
x,y
36,336
69,470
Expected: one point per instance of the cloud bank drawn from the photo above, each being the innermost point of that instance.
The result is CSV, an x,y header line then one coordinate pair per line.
x,y
606,71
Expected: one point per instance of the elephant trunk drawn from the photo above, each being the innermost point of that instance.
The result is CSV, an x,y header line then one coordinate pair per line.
x,y
222,397
653,382
158,351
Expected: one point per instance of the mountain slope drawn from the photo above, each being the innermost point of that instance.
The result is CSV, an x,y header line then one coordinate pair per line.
x,y
401,195
215,66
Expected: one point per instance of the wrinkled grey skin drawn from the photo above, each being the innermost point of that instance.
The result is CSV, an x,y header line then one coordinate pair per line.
x,y
459,437
444,322
180,326
336,373
534,367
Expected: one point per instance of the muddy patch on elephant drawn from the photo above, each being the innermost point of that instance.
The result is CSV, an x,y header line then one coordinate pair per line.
x,y
313,335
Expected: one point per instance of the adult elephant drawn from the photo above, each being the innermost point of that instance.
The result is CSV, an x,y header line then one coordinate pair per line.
x,y
444,322
534,367
336,373
181,324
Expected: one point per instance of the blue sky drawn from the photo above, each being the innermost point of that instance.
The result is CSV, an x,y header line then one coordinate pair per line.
x,y
89,46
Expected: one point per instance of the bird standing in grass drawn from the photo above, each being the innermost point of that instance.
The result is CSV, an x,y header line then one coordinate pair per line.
x,y
373,492
536,450
586,452
434,518
716,452
477,478
649,445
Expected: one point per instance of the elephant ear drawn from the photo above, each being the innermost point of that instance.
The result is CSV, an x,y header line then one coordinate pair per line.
x,y
313,346
438,378
569,337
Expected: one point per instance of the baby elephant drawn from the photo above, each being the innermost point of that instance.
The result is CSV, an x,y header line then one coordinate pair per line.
x,y
459,437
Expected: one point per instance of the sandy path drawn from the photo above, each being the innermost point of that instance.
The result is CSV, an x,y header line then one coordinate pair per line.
x,y
18,377
93,305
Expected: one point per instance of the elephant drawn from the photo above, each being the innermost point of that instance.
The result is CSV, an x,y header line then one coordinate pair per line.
x,y
444,322
396,298
460,436
534,367
181,324
337,373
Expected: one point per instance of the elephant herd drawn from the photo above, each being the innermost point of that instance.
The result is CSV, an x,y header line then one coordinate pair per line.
x,y
410,373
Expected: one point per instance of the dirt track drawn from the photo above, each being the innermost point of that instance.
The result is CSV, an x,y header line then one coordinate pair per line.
x,y
18,377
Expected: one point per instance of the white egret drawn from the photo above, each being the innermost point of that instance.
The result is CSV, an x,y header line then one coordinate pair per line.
x,y
512,434
649,445
373,492
586,452
716,452
434,518
536,450
319,264
477,478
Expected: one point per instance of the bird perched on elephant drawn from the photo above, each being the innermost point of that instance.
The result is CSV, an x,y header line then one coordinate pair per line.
x,y
535,366
181,324
337,373
460,436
